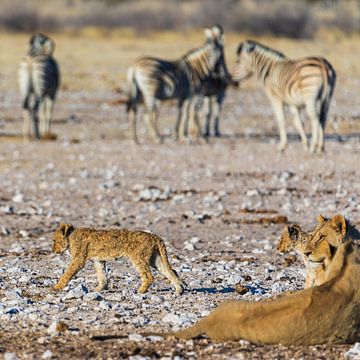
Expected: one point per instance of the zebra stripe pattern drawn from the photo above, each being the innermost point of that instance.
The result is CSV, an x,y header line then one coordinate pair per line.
x,y
153,80
214,96
307,82
38,82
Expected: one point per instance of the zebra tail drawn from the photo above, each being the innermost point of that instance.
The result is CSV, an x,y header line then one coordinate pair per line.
x,y
331,77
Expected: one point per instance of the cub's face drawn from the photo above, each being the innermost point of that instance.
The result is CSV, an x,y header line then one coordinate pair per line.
x,y
60,239
289,238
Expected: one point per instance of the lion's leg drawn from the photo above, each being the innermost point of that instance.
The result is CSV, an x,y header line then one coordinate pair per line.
x,y
166,270
75,265
100,268
144,271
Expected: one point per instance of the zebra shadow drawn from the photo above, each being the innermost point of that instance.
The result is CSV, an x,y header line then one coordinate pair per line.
x,y
292,137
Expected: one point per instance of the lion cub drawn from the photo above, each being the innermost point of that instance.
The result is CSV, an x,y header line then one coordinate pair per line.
x,y
143,249
293,238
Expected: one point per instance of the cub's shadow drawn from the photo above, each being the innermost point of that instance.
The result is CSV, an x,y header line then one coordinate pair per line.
x,y
225,290
212,290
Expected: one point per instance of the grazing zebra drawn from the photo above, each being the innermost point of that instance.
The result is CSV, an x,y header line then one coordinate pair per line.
x,y
152,80
307,82
38,82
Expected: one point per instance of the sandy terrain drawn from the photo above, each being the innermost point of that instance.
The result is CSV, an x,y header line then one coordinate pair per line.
x,y
220,207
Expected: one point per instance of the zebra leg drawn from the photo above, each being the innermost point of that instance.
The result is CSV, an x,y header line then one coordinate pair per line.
x,y
315,125
299,126
178,119
280,118
320,145
218,107
208,115
35,118
193,118
150,119
42,116
183,116
48,114
132,122
26,117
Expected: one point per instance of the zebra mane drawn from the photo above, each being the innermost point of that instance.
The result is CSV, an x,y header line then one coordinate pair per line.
x,y
256,46
194,53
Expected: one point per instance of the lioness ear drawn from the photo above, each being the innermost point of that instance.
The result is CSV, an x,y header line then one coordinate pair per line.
x,y
320,219
339,223
65,229
293,231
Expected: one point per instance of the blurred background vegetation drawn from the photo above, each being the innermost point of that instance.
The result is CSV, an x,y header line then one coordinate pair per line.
x,y
284,18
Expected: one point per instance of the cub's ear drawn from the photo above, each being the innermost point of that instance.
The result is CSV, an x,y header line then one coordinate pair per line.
x,y
293,231
339,224
320,219
65,229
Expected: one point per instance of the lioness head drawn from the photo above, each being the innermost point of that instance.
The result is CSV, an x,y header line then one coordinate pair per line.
x,y
328,235
289,238
60,239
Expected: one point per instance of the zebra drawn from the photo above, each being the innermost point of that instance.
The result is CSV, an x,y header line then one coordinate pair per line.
x,y
38,81
308,82
214,95
153,80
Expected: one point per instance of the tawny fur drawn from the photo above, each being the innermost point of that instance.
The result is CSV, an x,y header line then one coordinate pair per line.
x,y
144,250
329,313
293,238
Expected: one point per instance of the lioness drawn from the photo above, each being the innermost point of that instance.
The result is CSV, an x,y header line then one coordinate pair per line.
x,y
143,249
329,313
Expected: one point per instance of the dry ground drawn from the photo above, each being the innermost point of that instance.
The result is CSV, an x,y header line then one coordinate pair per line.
x,y
220,207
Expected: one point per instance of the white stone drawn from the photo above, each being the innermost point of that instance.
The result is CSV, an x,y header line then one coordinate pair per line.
x,y
354,352
135,337
10,356
18,198
47,354
172,318
78,292
52,329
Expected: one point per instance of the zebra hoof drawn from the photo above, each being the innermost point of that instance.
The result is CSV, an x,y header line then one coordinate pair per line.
x,y
159,140
282,147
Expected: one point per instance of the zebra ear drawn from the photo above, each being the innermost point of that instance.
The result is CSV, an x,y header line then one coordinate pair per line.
x,y
208,33
49,47
32,40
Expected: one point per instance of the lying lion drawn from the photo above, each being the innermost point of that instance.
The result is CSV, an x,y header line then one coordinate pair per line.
x,y
329,313
144,250
293,238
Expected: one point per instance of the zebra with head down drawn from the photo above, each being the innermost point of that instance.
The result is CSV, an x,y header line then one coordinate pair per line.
x,y
153,80
38,82
307,82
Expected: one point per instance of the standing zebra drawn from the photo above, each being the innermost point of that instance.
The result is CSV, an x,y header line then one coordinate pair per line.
x,y
38,81
213,95
153,80
305,82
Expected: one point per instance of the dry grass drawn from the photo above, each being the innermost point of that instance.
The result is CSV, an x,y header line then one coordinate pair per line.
x,y
294,19
94,59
